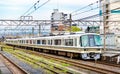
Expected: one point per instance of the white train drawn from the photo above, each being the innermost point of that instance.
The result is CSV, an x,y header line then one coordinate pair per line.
x,y
87,45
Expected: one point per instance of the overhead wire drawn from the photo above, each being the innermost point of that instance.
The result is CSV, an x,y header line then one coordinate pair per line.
x,y
83,7
27,13
92,8
36,8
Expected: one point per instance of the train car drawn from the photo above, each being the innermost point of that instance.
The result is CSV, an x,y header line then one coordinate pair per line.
x,y
87,45
112,40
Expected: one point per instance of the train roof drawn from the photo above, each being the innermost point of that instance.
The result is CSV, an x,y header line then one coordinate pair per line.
x,y
111,34
54,37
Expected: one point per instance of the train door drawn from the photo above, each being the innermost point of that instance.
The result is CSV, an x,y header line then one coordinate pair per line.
x,y
62,41
74,41
51,42
48,41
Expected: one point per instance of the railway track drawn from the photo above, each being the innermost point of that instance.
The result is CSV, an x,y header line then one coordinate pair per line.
x,y
76,63
14,68
29,59
54,68
108,63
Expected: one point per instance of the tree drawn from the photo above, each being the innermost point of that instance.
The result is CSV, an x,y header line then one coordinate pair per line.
x,y
74,29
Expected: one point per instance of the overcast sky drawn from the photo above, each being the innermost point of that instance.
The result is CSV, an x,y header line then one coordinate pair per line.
x,y
13,9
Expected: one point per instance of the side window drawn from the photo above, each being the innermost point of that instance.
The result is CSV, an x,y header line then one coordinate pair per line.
x,y
38,42
23,41
49,42
43,41
91,40
30,41
57,42
97,40
27,41
20,41
84,41
69,42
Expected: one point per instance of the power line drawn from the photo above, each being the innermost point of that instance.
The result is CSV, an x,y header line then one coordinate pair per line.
x,y
36,8
84,7
97,15
27,13
31,7
92,9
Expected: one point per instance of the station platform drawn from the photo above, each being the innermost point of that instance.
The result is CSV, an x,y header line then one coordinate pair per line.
x,y
112,56
3,68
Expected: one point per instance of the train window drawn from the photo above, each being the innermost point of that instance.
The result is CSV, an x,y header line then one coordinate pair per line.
x,y
57,42
90,40
38,42
30,41
43,41
48,42
51,42
84,41
21,41
69,42
27,41
24,41
97,40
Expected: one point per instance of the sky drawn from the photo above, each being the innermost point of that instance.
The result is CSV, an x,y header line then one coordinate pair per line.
x,y
13,9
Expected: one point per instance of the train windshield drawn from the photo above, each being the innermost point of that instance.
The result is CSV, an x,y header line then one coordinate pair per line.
x,y
90,40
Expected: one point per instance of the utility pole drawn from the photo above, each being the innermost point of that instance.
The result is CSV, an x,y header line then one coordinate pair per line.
x,y
105,22
32,31
70,20
39,29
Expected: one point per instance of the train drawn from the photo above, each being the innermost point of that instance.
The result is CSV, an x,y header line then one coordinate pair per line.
x,y
85,45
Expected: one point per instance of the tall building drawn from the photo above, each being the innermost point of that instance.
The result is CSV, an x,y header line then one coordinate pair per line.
x,y
58,21
111,12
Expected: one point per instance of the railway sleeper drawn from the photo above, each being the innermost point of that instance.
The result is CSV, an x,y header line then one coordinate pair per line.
x,y
47,65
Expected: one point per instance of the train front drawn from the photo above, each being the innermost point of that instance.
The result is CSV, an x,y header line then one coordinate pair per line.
x,y
92,47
